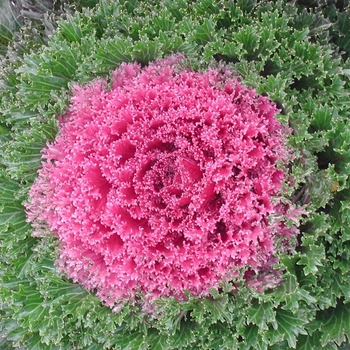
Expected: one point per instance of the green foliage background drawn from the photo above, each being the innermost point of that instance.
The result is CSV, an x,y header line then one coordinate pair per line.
x,y
297,53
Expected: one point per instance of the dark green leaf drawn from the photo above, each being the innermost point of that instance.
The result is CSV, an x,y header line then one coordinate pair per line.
x,y
312,259
262,314
337,325
289,327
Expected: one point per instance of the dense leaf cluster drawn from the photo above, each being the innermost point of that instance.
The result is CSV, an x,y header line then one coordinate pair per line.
x,y
292,55
32,19
333,15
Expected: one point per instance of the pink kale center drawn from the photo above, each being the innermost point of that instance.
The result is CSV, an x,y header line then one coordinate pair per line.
x,y
163,183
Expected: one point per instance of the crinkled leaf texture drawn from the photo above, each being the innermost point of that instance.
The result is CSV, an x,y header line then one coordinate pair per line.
x,y
270,46
141,183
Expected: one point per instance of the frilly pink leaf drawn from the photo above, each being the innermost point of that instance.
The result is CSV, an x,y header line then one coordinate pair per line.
x,y
164,183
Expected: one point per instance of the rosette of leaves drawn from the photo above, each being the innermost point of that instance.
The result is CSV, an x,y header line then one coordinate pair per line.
x,y
271,48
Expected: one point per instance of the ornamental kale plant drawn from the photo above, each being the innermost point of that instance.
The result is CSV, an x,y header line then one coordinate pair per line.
x,y
165,183
185,170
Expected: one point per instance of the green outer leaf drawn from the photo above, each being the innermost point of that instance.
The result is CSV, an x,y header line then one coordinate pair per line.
x,y
12,216
261,315
129,341
289,327
336,327
312,259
